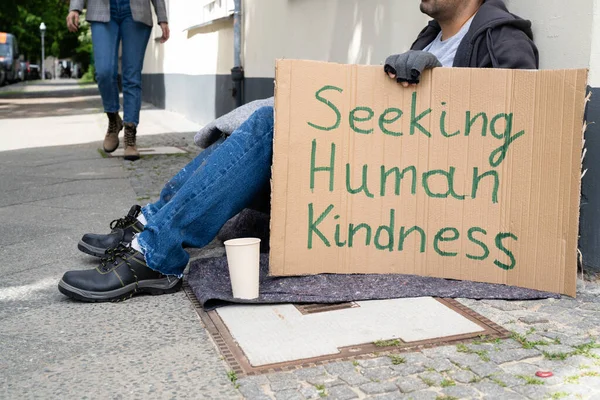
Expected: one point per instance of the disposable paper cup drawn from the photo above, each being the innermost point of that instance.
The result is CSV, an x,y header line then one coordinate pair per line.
x,y
243,258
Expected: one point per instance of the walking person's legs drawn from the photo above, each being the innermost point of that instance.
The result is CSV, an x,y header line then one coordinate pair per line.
x,y
105,41
135,39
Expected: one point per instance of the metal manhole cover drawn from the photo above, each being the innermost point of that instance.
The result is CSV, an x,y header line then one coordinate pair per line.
x,y
239,362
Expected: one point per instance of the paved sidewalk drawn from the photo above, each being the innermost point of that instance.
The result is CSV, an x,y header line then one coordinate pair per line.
x,y
549,335
155,347
62,112
52,347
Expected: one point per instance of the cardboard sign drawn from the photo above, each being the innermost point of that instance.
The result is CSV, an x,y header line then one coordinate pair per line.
x,y
473,174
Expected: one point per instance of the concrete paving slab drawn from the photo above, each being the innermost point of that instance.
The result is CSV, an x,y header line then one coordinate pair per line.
x,y
16,232
271,334
55,348
77,129
150,151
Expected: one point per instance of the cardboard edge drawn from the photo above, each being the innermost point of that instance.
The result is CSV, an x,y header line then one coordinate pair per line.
x,y
570,287
275,262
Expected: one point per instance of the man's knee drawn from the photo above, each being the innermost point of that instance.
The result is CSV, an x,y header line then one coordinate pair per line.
x,y
265,112
263,118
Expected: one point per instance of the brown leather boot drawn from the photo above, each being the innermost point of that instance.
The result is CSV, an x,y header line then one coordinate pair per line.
x,y
111,140
131,152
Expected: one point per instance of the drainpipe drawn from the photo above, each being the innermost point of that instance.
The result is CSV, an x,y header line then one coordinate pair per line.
x,y
237,72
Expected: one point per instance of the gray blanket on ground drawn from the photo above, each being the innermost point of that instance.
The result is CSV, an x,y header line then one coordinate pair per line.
x,y
209,280
228,123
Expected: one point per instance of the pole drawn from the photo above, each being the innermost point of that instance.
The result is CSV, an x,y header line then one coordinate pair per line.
x,y
237,72
237,33
43,58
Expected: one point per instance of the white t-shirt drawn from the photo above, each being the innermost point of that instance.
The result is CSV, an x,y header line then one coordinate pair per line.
x,y
446,50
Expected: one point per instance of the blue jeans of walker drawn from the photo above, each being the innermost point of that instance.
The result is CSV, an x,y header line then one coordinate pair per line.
x,y
106,37
219,183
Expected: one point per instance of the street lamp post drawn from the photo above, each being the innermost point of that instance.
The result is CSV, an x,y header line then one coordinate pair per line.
x,y
43,32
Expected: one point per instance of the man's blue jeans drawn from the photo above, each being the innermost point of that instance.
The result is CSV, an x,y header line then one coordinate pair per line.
x,y
219,183
106,37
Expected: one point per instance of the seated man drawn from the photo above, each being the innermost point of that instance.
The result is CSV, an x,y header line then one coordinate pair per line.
x,y
145,250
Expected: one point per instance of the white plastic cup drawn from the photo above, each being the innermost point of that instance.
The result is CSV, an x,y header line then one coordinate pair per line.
x,y
243,258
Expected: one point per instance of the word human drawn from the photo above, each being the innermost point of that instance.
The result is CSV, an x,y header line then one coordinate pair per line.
x,y
500,126
391,178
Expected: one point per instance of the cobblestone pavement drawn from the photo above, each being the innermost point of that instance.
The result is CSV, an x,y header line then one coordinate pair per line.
x,y
556,335
548,335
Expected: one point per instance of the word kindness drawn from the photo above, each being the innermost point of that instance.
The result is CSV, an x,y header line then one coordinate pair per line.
x,y
403,180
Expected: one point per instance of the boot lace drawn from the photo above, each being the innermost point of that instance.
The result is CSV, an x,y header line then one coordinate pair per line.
x,y
130,132
114,257
112,125
123,223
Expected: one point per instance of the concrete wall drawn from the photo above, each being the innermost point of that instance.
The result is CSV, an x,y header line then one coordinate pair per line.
x,y
190,73
594,80
345,31
562,32
589,242
367,31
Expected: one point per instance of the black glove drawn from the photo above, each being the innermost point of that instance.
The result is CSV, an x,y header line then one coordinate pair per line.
x,y
408,66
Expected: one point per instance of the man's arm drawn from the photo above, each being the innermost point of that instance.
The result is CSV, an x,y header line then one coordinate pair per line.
x,y
160,9
514,51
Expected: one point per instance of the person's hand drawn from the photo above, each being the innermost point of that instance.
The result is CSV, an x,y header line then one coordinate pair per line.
x,y
166,33
407,67
73,21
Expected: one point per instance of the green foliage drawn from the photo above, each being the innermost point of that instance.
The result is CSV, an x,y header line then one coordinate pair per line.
x,y
427,381
321,390
448,383
483,354
88,77
233,378
396,359
497,381
559,395
574,379
530,380
387,343
556,356
23,18
528,344
585,349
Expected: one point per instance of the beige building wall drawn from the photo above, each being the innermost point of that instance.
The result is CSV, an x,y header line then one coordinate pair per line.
x,y
190,73
344,31
347,31
201,51
562,30
367,31
594,79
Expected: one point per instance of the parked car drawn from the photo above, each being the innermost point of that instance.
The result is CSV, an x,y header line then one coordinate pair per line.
x,y
10,61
